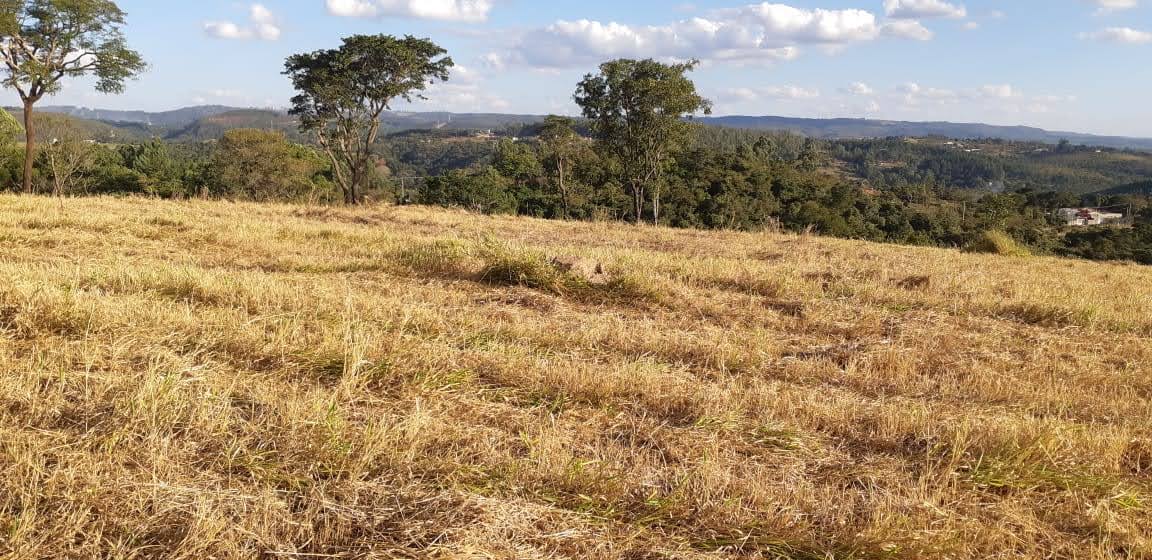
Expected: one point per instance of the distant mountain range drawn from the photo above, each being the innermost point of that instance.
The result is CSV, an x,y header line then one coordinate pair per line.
x,y
208,121
844,129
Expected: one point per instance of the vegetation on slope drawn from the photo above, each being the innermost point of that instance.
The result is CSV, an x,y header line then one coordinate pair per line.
x,y
213,379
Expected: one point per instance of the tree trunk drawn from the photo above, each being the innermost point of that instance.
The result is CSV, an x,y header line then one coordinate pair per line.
x,y
563,189
656,206
352,195
29,146
638,198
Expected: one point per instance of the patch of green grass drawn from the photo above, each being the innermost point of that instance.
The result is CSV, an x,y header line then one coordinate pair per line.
x,y
997,243
510,267
504,266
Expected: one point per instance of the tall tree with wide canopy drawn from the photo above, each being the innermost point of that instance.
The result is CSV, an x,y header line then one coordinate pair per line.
x,y
637,110
44,42
342,93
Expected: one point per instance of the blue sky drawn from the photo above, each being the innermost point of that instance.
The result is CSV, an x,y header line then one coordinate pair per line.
x,y
1077,65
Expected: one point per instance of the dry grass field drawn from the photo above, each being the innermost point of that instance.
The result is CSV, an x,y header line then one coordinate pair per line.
x,y
203,380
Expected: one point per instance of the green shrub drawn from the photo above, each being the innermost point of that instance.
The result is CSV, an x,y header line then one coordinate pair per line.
x,y
521,268
512,267
998,243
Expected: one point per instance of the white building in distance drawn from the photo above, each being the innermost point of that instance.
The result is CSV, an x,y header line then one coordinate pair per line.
x,y
1088,217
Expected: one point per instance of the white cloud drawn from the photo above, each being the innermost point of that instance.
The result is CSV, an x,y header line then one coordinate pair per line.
x,y
1125,35
494,61
262,25
1001,91
907,29
914,94
442,10
222,96
859,88
464,92
770,92
1105,6
753,33
919,9
1055,98
989,99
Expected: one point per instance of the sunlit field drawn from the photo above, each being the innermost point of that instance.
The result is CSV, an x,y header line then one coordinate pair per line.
x,y
216,380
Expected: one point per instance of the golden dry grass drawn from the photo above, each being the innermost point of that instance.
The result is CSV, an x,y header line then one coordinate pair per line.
x,y
214,380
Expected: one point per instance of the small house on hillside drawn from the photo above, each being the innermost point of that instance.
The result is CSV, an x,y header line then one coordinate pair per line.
x,y
1081,217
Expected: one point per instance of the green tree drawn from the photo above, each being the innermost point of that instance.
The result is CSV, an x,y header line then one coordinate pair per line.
x,y
158,172
262,165
9,127
485,190
342,93
67,154
9,130
636,109
811,157
42,42
561,146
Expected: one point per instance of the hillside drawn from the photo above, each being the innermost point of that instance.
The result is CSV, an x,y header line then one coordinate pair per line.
x,y
828,129
100,131
176,118
214,126
845,129
978,163
209,379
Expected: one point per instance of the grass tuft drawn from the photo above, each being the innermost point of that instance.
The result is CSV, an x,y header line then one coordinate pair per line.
x,y
507,266
998,243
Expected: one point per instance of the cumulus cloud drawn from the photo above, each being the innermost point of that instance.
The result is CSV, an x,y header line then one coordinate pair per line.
x,y
995,98
464,92
235,97
494,61
914,100
1125,35
1000,91
769,92
262,25
441,10
1105,6
915,94
753,33
907,29
859,88
920,9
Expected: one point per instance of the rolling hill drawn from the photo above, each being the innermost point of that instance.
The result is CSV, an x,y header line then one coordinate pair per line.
x,y
177,120
843,129
214,126
101,131
1140,187
227,380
